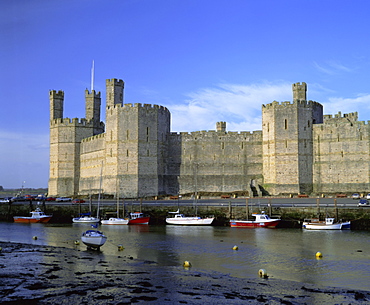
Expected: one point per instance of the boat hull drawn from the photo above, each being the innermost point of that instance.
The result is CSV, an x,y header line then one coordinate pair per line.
x,y
323,226
93,239
254,224
139,221
31,220
190,221
85,220
115,221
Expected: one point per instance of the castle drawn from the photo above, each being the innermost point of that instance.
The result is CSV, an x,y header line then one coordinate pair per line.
x,y
298,151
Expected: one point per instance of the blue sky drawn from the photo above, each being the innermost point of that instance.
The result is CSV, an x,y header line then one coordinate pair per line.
x,y
206,61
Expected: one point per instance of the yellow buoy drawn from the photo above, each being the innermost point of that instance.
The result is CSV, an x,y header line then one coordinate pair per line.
x,y
187,264
120,248
262,273
318,255
77,242
35,237
235,248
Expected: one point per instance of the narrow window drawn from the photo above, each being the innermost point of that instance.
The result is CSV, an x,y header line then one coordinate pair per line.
x,y
285,124
308,123
127,153
222,145
127,133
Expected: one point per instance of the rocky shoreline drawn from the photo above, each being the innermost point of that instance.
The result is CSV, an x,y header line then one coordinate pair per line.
x,y
33,274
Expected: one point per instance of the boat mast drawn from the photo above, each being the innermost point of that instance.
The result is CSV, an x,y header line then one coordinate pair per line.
x,y
101,177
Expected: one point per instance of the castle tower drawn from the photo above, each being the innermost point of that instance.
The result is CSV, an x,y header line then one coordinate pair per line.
x,y
299,91
288,143
56,104
114,92
221,126
92,109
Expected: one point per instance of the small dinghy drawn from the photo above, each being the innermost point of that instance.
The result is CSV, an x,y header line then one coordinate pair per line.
x,y
93,239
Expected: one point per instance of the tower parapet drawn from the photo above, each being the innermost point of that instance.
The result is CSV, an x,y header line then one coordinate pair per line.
x,y
56,104
221,126
299,91
92,109
114,91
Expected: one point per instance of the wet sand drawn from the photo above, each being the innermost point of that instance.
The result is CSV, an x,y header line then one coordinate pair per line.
x,y
31,274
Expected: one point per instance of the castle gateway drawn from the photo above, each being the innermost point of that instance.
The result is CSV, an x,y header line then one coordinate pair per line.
x,y
133,155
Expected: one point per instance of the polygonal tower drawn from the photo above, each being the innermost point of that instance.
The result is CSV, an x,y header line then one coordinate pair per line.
x,y
288,143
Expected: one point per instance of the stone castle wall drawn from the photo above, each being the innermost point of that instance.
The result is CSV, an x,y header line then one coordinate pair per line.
x,y
298,150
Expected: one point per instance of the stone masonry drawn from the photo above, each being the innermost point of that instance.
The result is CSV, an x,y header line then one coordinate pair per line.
x,y
134,154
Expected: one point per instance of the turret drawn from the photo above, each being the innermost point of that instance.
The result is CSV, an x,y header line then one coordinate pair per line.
x,y
114,89
299,91
56,104
92,108
221,126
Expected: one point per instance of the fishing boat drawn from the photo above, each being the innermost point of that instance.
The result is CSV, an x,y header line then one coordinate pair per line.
x,y
85,218
93,239
260,221
36,216
181,219
328,224
138,218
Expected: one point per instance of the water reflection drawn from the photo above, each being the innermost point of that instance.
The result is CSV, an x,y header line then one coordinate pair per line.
x,y
284,253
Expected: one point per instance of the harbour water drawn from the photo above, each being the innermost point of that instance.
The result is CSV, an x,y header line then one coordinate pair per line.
x,y
286,254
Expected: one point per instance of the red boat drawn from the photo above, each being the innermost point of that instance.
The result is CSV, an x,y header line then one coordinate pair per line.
x,y
36,216
261,221
138,218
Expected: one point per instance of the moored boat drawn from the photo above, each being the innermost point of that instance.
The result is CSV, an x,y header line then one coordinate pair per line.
x,y
85,218
138,218
328,224
181,219
93,238
115,221
260,221
36,216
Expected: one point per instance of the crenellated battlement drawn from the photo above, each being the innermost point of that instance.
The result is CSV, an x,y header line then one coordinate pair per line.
x,y
114,81
56,94
75,122
92,93
92,138
138,105
295,103
353,116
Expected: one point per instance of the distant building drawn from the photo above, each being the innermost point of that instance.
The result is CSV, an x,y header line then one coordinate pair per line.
x,y
134,154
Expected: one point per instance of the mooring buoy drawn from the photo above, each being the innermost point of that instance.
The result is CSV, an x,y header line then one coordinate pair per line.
x,y
262,273
318,255
235,248
187,264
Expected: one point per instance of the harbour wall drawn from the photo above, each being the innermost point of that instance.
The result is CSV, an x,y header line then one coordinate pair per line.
x,y
291,216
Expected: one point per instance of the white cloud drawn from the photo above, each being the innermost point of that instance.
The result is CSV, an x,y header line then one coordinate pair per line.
x,y
360,104
332,67
238,105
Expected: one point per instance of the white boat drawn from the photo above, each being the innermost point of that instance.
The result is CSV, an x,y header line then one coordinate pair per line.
x,y
181,219
85,218
93,238
328,224
115,221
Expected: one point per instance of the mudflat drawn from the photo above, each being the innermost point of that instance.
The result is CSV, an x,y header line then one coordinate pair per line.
x,y
33,274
